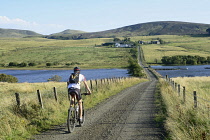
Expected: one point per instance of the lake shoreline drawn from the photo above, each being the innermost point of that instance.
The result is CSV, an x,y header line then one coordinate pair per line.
x,y
32,76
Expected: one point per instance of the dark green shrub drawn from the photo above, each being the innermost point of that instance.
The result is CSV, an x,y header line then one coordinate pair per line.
x,y
68,64
55,78
2,65
48,64
8,78
134,69
12,64
23,64
31,64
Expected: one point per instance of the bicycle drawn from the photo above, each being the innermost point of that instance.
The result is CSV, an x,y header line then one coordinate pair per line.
x,y
73,115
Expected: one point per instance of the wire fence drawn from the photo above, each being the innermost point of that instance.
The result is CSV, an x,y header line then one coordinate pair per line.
x,y
61,93
190,98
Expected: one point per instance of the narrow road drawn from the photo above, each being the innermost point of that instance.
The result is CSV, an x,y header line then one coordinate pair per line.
x,y
127,115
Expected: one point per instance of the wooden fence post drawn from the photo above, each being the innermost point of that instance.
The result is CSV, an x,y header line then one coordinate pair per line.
x,y
195,99
175,87
91,85
184,98
107,81
166,77
172,84
96,85
40,98
55,94
179,89
17,99
101,81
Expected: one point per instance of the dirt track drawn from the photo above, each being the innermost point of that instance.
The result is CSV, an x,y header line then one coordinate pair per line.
x,y
128,115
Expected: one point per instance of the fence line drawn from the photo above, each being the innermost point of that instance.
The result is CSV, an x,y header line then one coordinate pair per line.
x,y
94,87
195,100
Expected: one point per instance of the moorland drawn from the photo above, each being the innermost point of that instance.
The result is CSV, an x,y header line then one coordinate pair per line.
x,y
181,120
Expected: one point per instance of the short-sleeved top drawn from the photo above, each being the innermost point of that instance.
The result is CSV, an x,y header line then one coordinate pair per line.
x,y
77,85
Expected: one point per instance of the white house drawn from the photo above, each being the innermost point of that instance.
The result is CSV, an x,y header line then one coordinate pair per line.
x,y
122,45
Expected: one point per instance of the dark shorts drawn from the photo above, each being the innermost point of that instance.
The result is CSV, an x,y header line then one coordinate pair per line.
x,y
75,91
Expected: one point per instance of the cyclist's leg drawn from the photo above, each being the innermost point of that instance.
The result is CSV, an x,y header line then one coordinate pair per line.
x,y
79,99
72,100
80,108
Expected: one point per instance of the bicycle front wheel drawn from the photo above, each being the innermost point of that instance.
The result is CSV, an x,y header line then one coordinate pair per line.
x,y
71,120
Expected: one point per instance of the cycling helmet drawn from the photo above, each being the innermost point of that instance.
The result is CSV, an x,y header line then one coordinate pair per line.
x,y
77,70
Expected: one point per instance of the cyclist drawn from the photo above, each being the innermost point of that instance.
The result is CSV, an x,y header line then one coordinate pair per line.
x,y
74,88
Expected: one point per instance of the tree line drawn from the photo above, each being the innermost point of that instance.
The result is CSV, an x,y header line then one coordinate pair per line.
x,y
185,59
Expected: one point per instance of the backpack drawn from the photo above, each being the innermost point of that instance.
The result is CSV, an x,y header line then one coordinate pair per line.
x,y
74,78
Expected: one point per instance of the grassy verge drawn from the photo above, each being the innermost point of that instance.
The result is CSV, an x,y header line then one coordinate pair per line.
x,y
182,120
28,119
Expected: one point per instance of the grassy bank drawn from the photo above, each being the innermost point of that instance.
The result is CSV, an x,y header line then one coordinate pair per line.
x,y
61,53
182,119
21,122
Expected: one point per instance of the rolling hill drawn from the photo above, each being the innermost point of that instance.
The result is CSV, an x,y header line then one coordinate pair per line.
x,y
69,32
144,29
15,33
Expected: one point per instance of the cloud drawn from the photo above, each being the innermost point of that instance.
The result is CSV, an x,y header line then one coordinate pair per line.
x,y
18,23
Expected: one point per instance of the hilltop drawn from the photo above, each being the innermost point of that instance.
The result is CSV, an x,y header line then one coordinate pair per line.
x,y
69,32
144,29
15,33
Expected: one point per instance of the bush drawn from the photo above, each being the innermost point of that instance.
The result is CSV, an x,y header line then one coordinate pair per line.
x,y
31,64
48,64
23,64
2,65
12,64
55,78
134,68
8,78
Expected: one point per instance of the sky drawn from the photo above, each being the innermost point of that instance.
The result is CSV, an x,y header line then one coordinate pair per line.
x,y
53,16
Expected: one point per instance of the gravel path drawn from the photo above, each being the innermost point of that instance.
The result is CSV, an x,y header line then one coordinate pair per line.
x,y
128,115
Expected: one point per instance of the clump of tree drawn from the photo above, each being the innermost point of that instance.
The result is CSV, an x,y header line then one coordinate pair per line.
x,y
185,59
8,78
22,64
73,63
208,30
134,69
125,40
15,64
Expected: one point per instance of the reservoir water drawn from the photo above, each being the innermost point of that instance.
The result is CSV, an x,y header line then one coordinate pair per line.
x,y
34,76
184,71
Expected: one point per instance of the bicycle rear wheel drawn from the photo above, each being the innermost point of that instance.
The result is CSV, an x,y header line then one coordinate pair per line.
x,y
71,120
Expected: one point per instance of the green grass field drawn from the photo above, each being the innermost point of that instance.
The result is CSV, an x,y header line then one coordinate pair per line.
x,y
175,45
61,52
88,54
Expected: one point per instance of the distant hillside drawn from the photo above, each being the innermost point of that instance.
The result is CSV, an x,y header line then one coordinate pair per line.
x,y
150,28
14,33
69,32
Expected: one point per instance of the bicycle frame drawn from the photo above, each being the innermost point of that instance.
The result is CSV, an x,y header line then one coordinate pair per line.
x,y
73,114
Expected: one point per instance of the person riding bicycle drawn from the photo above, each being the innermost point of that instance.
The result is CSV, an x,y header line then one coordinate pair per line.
x,y
74,88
